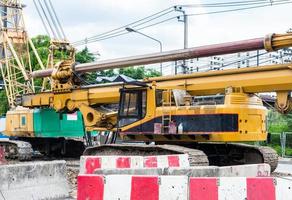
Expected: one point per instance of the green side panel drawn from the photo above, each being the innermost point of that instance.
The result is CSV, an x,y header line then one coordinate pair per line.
x,y
48,123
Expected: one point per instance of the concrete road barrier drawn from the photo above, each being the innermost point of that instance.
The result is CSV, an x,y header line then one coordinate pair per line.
x,y
128,187
254,170
88,164
34,180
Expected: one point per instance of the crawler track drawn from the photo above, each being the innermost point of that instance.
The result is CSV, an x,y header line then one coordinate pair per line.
x,y
196,157
17,149
200,154
221,154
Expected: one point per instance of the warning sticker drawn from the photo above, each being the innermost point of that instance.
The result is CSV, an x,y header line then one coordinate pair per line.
x,y
72,116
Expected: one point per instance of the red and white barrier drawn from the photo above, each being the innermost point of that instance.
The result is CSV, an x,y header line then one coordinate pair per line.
x,y
88,164
126,187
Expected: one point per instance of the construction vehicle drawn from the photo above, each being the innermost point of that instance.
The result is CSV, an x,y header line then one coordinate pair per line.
x,y
42,130
168,110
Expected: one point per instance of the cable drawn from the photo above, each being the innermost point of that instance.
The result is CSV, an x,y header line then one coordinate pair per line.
x,y
222,4
230,4
57,19
120,31
52,19
105,37
46,17
154,16
238,9
42,19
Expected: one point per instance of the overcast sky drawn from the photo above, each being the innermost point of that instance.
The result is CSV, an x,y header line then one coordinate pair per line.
x,y
85,18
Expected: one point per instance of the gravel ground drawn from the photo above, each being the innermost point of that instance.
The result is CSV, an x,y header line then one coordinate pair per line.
x,y
72,173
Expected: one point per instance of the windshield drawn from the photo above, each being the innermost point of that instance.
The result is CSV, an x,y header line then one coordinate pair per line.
x,y
132,106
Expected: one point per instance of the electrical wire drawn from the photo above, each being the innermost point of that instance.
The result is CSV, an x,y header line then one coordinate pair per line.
x,y
104,36
153,17
120,31
125,32
232,4
240,9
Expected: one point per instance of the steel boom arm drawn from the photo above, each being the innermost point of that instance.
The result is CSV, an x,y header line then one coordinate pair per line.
x,y
271,42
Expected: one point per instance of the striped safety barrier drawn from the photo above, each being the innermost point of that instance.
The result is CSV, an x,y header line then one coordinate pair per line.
x,y
88,164
127,187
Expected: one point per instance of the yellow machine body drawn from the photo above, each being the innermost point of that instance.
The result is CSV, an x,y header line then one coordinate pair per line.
x,y
19,122
241,117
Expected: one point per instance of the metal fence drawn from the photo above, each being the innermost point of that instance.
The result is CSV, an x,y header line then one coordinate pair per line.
x,y
284,141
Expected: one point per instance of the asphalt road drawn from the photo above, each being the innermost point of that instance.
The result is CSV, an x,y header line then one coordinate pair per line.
x,y
284,167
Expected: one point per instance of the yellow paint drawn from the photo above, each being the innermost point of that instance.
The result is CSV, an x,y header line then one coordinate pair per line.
x,y
19,122
250,110
236,84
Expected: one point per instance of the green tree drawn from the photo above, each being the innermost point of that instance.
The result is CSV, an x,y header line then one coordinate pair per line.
x,y
278,122
133,72
106,73
4,102
139,72
42,44
84,56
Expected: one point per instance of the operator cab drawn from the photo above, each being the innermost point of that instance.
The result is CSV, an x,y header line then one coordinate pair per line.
x,y
132,106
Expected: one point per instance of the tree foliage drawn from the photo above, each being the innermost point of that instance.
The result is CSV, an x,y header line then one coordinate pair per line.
x,y
137,73
4,102
278,123
42,44
84,56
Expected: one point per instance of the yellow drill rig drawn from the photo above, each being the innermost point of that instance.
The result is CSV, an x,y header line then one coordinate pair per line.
x,y
171,111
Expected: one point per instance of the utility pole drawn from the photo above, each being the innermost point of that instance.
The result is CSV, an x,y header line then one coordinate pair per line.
x,y
186,26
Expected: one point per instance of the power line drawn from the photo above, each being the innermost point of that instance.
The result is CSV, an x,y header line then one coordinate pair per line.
x,y
240,9
112,33
191,15
153,17
227,4
121,30
125,32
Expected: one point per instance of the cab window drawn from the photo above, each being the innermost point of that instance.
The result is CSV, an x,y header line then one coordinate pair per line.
x,y
132,106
